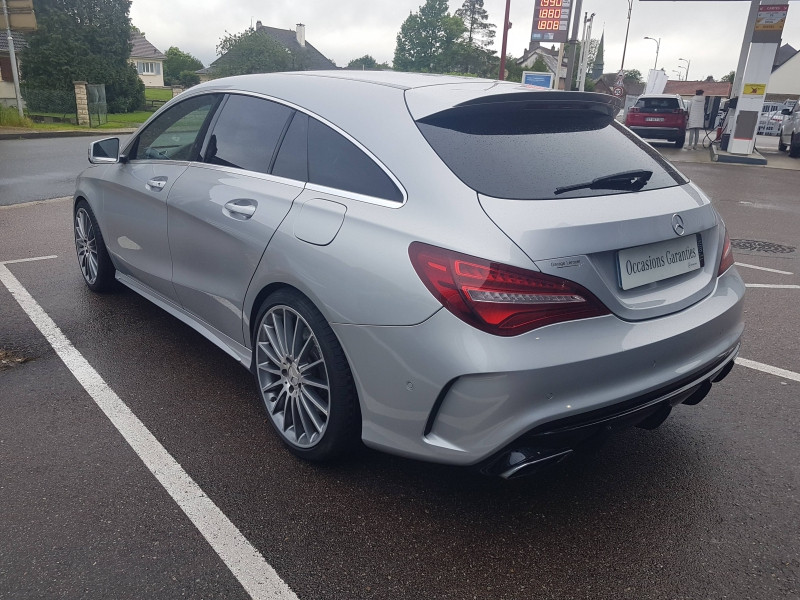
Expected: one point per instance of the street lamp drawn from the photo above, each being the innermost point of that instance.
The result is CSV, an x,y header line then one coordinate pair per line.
x,y
678,73
625,47
658,47
688,62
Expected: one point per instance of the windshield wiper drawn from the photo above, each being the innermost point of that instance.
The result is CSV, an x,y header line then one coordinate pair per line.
x,y
631,181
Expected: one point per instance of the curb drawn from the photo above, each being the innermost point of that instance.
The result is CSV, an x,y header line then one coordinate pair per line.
x,y
33,135
756,158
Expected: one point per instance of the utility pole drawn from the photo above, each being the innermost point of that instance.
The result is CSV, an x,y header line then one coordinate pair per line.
x,y
625,47
573,42
587,41
502,75
14,71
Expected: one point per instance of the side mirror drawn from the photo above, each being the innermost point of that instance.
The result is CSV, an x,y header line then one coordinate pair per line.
x,y
104,151
786,111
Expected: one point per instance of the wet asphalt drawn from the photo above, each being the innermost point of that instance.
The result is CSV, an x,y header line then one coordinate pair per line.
x,y
705,507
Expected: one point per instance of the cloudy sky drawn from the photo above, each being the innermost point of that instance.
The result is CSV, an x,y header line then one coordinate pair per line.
x,y
709,34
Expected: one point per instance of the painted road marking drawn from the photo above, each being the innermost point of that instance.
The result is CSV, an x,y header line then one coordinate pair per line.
x,y
255,574
772,286
738,264
24,260
751,364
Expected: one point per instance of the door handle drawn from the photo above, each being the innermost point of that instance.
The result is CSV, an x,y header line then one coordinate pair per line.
x,y
241,208
157,183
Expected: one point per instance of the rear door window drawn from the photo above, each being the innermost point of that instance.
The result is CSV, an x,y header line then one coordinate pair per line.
x,y
523,151
247,133
656,105
292,159
336,162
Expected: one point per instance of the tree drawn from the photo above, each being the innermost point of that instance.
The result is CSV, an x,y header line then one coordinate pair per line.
x,y
367,63
729,77
77,40
514,71
634,75
427,41
477,37
176,63
251,52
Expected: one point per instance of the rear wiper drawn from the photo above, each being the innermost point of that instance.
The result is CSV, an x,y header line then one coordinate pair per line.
x,y
632,181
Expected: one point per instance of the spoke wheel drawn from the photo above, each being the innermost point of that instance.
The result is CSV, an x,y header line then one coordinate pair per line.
x,y
93,259
304,378
293,376
86,245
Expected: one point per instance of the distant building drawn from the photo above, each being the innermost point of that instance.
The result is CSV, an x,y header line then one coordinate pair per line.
x,y
148,60
549,57
7,95
607,81
784,82
307,56
687,89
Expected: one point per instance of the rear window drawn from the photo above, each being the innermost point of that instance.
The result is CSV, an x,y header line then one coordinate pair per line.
x,y
522,151
657,104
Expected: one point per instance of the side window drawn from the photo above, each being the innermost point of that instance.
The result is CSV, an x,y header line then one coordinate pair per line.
x,y
292,159
335,162
174,135
246,134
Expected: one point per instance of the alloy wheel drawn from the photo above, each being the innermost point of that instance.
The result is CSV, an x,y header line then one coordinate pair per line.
x,y
292,376
86,245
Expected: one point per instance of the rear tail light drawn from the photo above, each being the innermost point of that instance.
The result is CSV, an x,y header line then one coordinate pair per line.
x,y
500,299
633,109
727,256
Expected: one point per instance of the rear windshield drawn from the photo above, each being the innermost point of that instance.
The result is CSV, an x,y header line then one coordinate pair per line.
x,y
657,104
523,152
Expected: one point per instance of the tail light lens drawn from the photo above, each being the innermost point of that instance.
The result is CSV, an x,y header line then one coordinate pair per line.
x,y
633,109
727,256
500,299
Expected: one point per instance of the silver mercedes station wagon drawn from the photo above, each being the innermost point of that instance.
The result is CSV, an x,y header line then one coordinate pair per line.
x,y
457,270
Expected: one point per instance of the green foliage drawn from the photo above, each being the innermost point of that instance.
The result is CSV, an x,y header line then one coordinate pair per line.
x,y
513,70
367,63
82,40
428,39
176,63
474,55
729,77
188,78
9,117
539,66
158,94
634,75
253,52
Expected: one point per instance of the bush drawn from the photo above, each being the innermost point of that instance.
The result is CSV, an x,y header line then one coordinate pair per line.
x,y
9,117
188,78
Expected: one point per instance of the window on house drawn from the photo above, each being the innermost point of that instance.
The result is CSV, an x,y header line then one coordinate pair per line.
x,y
149,68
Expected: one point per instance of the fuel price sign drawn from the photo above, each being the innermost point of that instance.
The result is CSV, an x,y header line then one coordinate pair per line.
x,y
551,20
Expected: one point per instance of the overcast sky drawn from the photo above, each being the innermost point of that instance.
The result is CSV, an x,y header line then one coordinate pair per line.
x,y
709,34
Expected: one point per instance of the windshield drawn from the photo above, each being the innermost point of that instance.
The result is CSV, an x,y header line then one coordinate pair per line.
x,y
519,152
656,105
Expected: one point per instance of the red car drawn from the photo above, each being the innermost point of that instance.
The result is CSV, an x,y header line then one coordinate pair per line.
x,y
659,116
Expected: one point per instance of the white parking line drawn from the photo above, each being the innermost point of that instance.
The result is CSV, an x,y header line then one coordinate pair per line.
x,y
738,264
772,286
257,577
751,364
24,260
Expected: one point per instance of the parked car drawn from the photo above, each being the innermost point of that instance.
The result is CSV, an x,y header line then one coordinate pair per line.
x,y
790,131
452,269
769,121
659,116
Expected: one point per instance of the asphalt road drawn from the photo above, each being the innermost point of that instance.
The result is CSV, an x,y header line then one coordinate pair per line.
x,y
38,169
705,507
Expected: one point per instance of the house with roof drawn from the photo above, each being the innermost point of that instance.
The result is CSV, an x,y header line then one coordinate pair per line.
x,y
785,79
632,88
148,60
549,57
687,89
305,57
7,95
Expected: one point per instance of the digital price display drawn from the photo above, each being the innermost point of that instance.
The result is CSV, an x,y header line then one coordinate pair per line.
x,y
551,20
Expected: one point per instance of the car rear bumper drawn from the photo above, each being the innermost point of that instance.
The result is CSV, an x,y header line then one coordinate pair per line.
x,y
446,392
660,133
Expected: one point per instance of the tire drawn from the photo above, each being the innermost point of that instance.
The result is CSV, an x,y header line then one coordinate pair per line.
x,y
680,141
93,259
304,379
794,147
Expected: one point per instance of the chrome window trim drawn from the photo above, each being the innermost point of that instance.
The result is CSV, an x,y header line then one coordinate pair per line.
x,y
256,174
347,136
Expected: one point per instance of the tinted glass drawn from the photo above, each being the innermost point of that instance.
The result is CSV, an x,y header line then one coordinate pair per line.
x,y
524,153
246,134
336,162
657,104
174,134
292,159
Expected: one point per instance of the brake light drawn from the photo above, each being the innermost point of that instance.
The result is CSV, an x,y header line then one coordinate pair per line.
x,y
500,299
727,256
633,109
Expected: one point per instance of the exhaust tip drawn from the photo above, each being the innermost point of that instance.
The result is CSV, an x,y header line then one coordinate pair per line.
x,y
526,461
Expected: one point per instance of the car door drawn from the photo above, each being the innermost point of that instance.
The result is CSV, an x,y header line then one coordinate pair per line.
x,y
135,192
224,210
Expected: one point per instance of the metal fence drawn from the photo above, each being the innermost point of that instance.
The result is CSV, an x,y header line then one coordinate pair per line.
x,y
98,109
55,104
